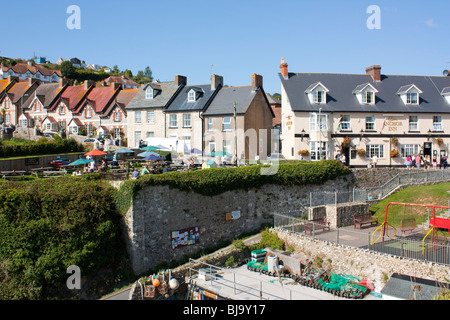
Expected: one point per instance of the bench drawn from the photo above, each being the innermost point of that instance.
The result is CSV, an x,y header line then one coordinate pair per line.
x,y
364,219
12,174
316,224
48,174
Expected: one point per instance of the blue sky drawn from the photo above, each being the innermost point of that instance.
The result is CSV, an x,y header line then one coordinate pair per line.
x,y
237,37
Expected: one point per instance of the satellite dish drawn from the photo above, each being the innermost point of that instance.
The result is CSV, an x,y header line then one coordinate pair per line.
x,y
445,72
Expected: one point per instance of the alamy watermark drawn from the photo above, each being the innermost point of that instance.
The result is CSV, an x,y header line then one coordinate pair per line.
x,y
374,20
74,20
74,281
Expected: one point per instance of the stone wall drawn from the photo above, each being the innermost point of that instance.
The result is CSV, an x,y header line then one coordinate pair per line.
x,y
157,211
363,263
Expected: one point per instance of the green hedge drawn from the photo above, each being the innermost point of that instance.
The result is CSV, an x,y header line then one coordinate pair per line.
x,y
215,181
47,225
13,148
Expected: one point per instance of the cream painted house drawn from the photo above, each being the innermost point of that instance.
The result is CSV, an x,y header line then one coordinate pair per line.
x,y
360,116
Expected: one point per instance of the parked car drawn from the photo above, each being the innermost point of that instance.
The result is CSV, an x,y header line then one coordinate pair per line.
x,y
50,135
95,142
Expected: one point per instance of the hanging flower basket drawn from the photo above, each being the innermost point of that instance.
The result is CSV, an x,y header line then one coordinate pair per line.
x,y
394,153
346,142
304,152
439,141
394,141
361,152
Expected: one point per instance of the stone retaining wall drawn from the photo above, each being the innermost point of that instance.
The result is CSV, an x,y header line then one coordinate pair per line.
x,y
363,263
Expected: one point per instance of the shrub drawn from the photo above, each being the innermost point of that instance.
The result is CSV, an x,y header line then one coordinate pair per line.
x,y
214,181
43,146
46,227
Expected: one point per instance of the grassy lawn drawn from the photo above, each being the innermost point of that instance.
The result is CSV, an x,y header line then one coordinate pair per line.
x,y
432,194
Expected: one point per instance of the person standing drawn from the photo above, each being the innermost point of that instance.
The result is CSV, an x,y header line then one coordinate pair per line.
x,y
408,162
418,159
374,160
343,160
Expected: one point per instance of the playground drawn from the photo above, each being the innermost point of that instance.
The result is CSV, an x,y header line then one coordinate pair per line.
x,y
402,236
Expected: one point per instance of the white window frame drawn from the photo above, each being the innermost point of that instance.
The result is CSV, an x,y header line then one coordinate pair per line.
x,y
88,113
117,116
372,122
410,98
345,124
137,117
150,117
150,134
226,124
366,95
211,146
319,152
173,121
377,149
226,146
186,120
149,93
314,124
437,125
409,150
191,96
319,96
413,125
210,124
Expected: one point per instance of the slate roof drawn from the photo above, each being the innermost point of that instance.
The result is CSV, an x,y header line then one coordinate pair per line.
x,y
46,93
24,67
223,102
341,99
180,103
168,89
407,287
123,80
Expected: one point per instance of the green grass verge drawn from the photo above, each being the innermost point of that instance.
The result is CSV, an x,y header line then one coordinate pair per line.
x,y
432,194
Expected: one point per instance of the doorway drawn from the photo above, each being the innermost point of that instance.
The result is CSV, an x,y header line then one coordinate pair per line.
x,y
427,150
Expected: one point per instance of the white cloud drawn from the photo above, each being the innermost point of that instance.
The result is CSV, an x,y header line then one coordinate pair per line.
x,y
430,23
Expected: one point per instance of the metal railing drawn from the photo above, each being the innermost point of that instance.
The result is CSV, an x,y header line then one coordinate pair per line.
x,y
261,291
377,193
408,245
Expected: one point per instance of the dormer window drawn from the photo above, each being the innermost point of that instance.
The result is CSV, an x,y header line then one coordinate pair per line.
x,y
319,96
412,98
149,93
410,94
317,93
365,93
368,97
191,96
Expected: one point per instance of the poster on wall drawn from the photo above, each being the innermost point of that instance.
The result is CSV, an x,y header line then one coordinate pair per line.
x,y
185,237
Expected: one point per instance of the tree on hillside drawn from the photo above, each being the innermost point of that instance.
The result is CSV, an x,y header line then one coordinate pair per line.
x,y
67,69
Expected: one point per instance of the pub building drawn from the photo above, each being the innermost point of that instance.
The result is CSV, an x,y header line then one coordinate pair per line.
x,y
361,115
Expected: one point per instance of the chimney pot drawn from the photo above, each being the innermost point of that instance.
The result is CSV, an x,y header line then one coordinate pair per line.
x,y
87,84
257,81
375,72
216,81
284,68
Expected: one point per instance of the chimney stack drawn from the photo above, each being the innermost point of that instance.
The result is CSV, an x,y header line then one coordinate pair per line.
x,y
62,82
216,81
87,84
180,80
375,72
257,81
284,68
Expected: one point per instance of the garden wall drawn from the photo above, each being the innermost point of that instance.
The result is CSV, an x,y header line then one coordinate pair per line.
x,y
158,212
363,263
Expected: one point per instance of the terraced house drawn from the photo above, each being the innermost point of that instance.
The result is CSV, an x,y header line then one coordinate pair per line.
x,y
30,70
363,115
146,118
15,95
